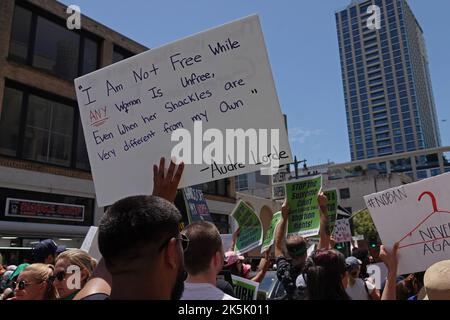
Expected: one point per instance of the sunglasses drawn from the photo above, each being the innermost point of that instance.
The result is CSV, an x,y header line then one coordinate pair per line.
x,y
60,276
184,242
21,285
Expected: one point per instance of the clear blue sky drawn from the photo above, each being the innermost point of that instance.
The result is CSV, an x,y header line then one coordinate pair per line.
x,y
301,39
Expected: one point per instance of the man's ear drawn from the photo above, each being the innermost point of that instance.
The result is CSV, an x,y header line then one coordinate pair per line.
x,y
172,253
218,261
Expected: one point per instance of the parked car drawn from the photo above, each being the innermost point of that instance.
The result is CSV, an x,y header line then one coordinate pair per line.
x,y
270,288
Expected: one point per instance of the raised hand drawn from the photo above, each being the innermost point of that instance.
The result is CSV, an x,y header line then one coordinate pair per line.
x,y
165,186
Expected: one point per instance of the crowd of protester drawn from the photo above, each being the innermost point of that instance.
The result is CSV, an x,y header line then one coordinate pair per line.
x,y
145,255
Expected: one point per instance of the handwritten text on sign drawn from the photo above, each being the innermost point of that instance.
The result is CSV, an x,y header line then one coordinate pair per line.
x,y
220,79
416,215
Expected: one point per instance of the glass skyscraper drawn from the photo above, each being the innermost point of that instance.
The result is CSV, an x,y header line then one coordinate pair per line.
x,y
388,95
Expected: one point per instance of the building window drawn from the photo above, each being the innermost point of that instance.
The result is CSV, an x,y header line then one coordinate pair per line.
x,y
20,34
120,54
344,193
10,121
218,187
37,126
57,53
422,174
48,131
222,223
45,43
241,182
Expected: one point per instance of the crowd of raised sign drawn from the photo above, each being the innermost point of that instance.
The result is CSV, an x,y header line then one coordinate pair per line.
x,y
146,256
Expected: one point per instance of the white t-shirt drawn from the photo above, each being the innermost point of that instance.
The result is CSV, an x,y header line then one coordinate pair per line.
x,y
358,292
203,291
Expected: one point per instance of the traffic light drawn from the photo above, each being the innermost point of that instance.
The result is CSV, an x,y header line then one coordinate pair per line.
x,y
373,242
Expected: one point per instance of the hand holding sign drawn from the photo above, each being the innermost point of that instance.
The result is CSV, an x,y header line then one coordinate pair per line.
x,y
390,258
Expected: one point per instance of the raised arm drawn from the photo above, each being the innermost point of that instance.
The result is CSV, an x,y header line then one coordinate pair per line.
x,y
390,259
324,232
234,239
281,230
263,267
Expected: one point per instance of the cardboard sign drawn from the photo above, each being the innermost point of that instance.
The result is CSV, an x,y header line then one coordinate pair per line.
x,y
208,86
196,205
269,239
342,231
90,243
331,208
245,289
227,240
416,215
304,214
250,235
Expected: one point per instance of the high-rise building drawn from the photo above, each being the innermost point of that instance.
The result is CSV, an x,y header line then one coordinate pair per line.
x,y
388,95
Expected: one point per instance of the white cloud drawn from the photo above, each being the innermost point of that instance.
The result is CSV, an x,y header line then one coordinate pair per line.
x,y
300,135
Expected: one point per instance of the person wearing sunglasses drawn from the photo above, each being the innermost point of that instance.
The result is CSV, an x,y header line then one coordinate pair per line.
x,y
68,282
35,282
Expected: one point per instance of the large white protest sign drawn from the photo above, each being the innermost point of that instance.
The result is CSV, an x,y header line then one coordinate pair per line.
x,y
416,215
90,243
342,231
207,86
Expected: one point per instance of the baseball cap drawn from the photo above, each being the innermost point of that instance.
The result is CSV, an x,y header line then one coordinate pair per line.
x,y
436,281
352,262
232,257
246,269
60,249
43,249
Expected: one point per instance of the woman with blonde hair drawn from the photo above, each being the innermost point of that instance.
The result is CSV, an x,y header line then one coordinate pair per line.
x,y
73,269
35,282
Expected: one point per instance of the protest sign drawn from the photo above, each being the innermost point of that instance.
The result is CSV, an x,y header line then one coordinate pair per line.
x,y
332,203
342,231
245,289
227,240
311,249
269,239
416,215
250,235
197,208
90,243
304,215
215,87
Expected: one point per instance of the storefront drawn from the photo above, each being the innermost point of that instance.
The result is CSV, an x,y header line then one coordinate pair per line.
x,y
36,206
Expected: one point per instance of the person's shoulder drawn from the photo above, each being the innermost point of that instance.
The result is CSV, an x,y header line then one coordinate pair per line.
x,y
97,297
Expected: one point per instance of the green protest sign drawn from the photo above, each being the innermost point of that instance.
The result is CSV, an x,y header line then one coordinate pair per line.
x,y
250,235
269,239
332,208
245,289
304,215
